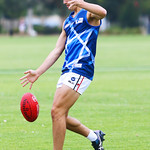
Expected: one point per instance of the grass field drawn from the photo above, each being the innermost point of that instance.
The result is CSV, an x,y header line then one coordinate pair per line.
x,y
117,101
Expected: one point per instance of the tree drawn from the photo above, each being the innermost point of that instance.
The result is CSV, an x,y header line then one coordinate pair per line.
x,y
123,12
13,9
145,7
129,15
1,6
145,10
113,8
49,7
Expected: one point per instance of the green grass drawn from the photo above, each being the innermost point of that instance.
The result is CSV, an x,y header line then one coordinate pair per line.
x,y
117,101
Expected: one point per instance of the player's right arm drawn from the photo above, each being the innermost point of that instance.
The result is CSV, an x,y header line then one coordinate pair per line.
x,y
54,55
32,75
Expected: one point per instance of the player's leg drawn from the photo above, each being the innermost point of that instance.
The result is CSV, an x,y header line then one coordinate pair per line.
x,y
96,137
64,98
76,126
79,84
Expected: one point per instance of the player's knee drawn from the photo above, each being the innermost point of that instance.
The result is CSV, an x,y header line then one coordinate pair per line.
x,y
56,113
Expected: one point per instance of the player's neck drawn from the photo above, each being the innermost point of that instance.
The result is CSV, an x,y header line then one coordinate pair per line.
x,y
76,11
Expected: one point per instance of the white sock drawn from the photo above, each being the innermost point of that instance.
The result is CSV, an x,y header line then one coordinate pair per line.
x,y
92,136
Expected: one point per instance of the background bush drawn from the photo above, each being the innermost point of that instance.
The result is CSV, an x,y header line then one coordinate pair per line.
x,y
46,30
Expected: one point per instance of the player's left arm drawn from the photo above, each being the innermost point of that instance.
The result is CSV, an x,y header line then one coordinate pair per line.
x,y
95,11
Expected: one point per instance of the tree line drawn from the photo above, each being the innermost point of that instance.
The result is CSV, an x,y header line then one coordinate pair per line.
x,y
124,12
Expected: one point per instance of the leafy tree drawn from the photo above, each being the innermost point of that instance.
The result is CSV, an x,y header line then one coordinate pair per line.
x,y
124,12
50,7
113,8
1,7
129,15
145,10
13,8
145,7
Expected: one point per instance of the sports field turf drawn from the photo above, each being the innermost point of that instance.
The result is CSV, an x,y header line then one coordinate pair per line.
x,y
117,101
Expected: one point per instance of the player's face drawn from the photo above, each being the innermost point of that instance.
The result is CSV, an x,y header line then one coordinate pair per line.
x,y
66,3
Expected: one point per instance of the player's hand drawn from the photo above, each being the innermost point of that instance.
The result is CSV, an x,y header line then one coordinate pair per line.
x,y
73,3
31,76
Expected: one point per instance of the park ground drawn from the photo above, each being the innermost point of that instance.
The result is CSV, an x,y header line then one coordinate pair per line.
x,y
117,101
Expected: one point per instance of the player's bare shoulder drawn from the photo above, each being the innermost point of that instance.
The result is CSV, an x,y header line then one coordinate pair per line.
x,y
93,19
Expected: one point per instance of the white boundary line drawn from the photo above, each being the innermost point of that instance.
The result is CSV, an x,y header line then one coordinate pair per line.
x,y
97,69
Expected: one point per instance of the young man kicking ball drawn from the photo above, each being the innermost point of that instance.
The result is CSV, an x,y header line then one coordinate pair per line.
x,y
78,38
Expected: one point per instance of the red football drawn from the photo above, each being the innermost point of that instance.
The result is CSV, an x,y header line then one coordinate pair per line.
x,y
29,107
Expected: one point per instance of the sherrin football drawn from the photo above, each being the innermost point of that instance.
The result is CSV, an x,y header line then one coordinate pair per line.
x,y
29,107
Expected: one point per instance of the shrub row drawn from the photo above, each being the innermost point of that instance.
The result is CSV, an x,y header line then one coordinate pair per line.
x,y
118,30
46,30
